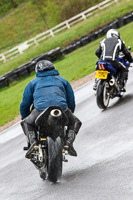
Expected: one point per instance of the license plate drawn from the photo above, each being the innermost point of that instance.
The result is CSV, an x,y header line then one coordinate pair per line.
x,y
101,74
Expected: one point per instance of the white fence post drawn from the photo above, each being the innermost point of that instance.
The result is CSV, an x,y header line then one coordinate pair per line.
x,y
51,33
68,25
3,57
36,43
84,17
20,51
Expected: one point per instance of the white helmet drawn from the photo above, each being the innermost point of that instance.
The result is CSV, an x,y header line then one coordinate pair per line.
x,y
113,33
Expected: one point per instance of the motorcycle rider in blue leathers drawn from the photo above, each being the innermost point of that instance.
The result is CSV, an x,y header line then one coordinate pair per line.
x,y
109,50
48,89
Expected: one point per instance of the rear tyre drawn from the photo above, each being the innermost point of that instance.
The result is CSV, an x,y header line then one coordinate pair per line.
x,y
54,159
102,96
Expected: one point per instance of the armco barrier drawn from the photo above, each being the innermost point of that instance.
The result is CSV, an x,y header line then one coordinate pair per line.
x,y
125,19
57,53
128,18
3,82
11,76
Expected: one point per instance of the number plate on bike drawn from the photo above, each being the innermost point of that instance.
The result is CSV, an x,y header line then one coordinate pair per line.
x,y
101,74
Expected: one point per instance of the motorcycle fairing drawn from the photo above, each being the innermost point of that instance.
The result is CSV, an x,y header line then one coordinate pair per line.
x,y
125,62
103,65
44,116
43,126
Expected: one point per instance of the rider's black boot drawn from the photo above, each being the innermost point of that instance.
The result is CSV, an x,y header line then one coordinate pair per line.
x,y
69,143
33,145
122,86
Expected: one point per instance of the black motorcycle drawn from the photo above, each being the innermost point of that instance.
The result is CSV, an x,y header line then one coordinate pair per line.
x,y
107,79
51,134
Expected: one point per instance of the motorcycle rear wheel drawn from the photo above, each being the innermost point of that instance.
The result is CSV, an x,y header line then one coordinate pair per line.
x,y
54,167
102,95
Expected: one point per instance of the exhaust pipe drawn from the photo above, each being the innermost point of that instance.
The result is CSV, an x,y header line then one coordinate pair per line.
x,y
55,113
54,116
112,82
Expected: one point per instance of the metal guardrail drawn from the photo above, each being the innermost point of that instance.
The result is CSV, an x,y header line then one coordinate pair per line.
x,y
14,52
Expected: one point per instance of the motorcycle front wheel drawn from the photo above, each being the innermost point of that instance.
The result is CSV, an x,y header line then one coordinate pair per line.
x,y
102,95
54,167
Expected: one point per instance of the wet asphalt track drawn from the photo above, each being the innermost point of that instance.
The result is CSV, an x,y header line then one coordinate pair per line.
x,y
103,169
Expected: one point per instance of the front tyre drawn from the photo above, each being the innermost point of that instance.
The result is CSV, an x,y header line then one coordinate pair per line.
x,y
54,159
102,96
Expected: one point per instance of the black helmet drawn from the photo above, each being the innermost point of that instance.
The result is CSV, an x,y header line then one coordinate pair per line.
x,y
44,65
113,33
